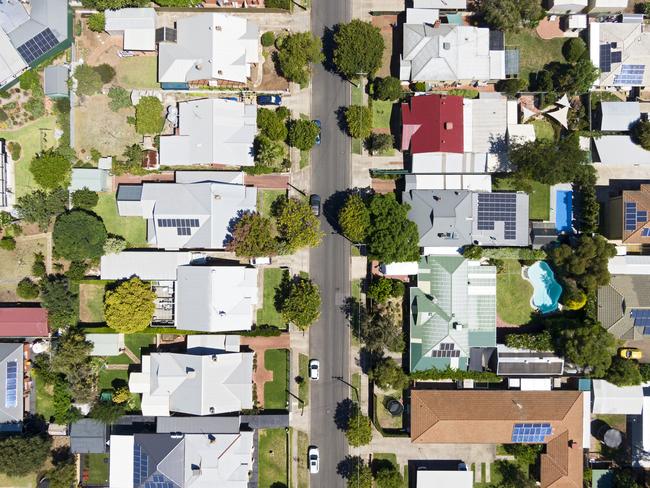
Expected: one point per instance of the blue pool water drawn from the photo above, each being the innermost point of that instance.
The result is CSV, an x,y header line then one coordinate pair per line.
x,y
546,291
563,210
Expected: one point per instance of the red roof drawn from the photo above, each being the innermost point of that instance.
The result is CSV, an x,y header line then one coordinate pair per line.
x,y
23,322
433,123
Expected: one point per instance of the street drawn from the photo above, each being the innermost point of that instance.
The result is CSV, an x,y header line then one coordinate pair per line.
x,y
330,262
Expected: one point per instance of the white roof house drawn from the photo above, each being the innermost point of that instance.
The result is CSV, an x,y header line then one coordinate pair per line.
x,y
212,130
607,6
620,150
148,265
450,53
612,399
209,46
205,384
137,25
441,4
444,479
632,264
216,298
619,116
564,7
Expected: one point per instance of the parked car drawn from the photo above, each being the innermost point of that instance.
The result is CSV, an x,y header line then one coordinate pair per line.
x,y
269,99
314,369
314,203
317,122
314,459
630,353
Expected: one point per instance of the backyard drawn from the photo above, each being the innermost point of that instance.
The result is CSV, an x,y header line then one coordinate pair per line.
x,y
539,194
108,376
265,199
44,398
275,392
534,52
268,315
17,264
91,303
133,229
273,458
138,72
95,469
543,130
513,294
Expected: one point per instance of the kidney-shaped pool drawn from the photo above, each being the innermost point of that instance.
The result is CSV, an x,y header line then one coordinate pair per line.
x,y
546,290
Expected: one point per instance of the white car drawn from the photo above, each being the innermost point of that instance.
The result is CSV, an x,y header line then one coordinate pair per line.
x,y
314,369
314,459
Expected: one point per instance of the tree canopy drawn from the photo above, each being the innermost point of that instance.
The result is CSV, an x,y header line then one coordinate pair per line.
x,y
51,169
269,154
39,207
253,236
120,98
359,474
85,198
573,49
97,22
388,375
21,455
272,124
574,78
79,235
392,237
302,134
149,116
301,304
358,120
71,358
354,218
296,224
382,329
511,15
379,142
641,134
359,429
389,477
129,306
61,302
587,345
388,88
114,4
358,49
623,372
89,80
296,52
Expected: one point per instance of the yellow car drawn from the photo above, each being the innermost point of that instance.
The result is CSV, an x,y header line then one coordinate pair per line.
x,y
630,353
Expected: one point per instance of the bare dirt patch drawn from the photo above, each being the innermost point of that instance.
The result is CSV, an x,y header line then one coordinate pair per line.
x,y
271,80
17,264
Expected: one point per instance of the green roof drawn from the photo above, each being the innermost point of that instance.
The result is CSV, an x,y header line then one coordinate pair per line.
x,y
452,309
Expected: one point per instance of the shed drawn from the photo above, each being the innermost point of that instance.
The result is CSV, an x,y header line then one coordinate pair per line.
x,y
612,399
56,81
106,344
619,116
88,436
137,25
94,179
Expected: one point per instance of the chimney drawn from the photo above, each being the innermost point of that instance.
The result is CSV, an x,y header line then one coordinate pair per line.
x,y
449,125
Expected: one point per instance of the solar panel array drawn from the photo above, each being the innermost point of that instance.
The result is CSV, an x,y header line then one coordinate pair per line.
x,y
11,395
159,481
535,433
37,46
140,465
605,57
446,351
631,74
183,226
634,217
498,207
645,232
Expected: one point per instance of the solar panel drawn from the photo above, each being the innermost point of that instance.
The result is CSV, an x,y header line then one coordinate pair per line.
x,y
645,232
531,433
617,56
605,58
631,74
38,45
631,219
641,317
11,396
646,331
498,207
140,465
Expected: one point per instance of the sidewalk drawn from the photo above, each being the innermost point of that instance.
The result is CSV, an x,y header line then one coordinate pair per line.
x,y
299,417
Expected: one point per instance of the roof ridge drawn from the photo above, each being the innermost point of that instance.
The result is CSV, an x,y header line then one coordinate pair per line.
x,y
432,416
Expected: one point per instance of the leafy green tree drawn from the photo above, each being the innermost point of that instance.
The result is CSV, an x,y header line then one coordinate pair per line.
x,y
51,169
358,49
359,430
511,15
64,412
388,88
302,134
60,301
85,198
269,154
354,218
120,98
296,224
8,243
573,49
114,245
89,81
623,372
388,375
129,307
63,475
301,305
358,120
511,86
149,116
624,478
27,289
379,142
97,22
253,236
38,268
389,478
267,39
393,238
380,289
544,81
587,345
359,474
296,53
525,454
76,271
22,455
576,78
107,412
271,124
512,476
79,235
71,358
106,72
641,134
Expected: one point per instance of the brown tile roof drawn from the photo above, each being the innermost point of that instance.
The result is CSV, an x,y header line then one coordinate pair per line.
x,y
488,417
642,200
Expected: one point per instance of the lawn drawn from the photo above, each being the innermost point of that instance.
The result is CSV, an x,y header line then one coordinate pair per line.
x,y
303,371
305,157
107,376
91,303
357,94
357,146
534,52
98,468
137,342
30,138
543,130
133,229
540,196
613,420
381,111
384,417
268,315
138,72
272,458
513,294
265,199
303,468
17,264
275,392
28,481
44,398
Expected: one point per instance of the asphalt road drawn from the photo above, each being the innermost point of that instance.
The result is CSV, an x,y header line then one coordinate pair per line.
x,y
330,263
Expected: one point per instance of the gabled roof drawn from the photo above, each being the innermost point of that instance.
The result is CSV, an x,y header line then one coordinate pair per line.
x,y
619,116
633,220
94,179
23,322
433,123
523,362
11,378
618,299
616,400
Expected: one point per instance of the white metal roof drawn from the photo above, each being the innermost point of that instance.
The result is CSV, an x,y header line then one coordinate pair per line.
x,y
620,150
106,344
612,399
441,4
147,265
521,133
421,16
629,265
400,269
121,461
138,26
11,64
445,479
619,116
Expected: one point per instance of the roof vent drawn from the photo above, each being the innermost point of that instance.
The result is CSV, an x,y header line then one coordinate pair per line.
x,y
198,66
219,72
211,411
449,125
222,313
458,326
446,46
215,357
218,28
217,197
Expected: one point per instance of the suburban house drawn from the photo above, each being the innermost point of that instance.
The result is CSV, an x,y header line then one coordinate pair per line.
x,y
194,384
195,212
89,436
26,38
55,81
631,264
181,460
526,363
11,387
444,478
627,217
437,52
565,7
450,219
624,306
619,116
136,25
208,48
607,7
23,323
553,418
211,131
452,312
621,51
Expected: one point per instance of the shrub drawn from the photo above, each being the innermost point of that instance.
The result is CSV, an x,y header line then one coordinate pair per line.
x,y
38,268
511,86
15,150
30,80
358,120
535,342
8,243
106,72
85,198
97,22
499,264
27,289
419,86
379,142
267,39
114,245
120,98
455,374
50,169
573,298
473,252
79,235
35,107
122,395
388,88
573,49
89,81
149,116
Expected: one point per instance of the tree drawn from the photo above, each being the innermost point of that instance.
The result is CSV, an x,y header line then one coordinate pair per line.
x,y
511,86
379,142
535,342
21,455
106,72
63,475
573,49
296,52
131,162
27,289
51,169
64,412
107,412
149,116
388,375
129,307
382,329
392,238
8,243
268,39
511,15
354,218
120,98
389,477
587,345
358,120
525,454
89,81
573,298
85,198
576,78
301,305
359,430
641,134
358,49
380,289
77,270
623,372
543,81
60,301
269,154
40,206
114,4
388,88
512,476
253,236
79,235
296,224
624,478
302,134
6,219
271,124
97,22
38,268
114,245
359,474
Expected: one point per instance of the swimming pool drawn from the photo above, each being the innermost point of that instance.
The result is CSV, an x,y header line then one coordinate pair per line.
x,y
546,291
563,210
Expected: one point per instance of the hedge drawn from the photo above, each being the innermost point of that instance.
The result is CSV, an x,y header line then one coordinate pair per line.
x,y
535,342
522,253
455,374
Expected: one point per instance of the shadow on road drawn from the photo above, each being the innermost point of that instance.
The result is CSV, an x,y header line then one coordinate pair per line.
x,y
328,48
343,413
335,202
348,466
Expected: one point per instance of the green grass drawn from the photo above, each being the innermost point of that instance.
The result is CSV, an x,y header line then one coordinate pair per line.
x,y
304,159
357,94
600,96
534,52
381,111
275,392
91,303
137,342
543,130
29,138
357,146
106,378
44,398
98,469
464,92
265,199
303,468
303,371
133,229
513,294
273,454
138,72
27,481
268,315
613,420
540,195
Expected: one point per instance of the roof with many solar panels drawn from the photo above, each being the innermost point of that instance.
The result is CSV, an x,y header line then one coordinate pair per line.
x,y
11,387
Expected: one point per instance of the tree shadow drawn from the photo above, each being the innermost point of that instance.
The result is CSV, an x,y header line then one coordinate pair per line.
x,y
61,455
328,48
335,202
378,465
348,466
342,414
282,291
340,120
278,484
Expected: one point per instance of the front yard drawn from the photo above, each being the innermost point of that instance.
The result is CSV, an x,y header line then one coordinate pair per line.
x,y
268,315
381,112
534,52
303,371
513,294
273,458
133,229
265,199
275,392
